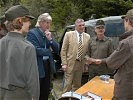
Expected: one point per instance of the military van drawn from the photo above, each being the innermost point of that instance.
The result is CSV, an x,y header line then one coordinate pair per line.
x,y
114,28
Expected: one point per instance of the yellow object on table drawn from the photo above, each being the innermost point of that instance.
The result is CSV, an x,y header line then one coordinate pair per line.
x,y
98,87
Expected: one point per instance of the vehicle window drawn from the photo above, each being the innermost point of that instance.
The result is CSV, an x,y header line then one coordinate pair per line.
x,y
91,31
114,29
70,29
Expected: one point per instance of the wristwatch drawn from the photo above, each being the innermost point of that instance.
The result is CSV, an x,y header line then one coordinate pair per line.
x,y
51,41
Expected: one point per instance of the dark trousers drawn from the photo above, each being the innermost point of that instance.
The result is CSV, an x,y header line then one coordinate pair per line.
x,y
45,82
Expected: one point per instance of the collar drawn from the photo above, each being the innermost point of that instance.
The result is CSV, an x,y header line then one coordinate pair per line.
x,y
78,33
15,34
126,34
104,39
41,30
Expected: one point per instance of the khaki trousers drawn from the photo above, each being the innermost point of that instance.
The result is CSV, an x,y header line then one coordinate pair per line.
x,y
73,79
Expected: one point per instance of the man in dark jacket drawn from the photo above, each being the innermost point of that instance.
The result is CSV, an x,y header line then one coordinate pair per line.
x,y
42,39
122,60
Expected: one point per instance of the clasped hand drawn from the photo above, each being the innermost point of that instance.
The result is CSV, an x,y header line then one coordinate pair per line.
x,y
96,61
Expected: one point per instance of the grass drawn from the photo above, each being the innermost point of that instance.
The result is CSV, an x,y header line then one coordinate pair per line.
x,y
57,87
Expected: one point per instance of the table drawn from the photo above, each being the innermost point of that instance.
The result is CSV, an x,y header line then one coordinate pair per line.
x,y
98,87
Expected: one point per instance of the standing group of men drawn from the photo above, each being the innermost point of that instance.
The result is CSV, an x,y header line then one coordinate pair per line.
x,y
26,64
101,57
99,47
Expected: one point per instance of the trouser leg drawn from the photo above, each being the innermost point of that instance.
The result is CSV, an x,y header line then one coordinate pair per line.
x,y
67,82
77,75
45,82
77,80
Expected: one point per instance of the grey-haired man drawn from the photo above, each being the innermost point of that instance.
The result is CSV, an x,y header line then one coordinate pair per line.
x,y
42,39
73,51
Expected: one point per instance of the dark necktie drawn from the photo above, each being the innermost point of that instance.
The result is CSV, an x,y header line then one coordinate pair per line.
x,y
80,47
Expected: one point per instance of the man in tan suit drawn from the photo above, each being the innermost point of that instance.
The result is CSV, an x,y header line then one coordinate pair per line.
x,y
73,60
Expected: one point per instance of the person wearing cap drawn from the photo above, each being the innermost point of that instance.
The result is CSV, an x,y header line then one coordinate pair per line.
x,y
100,47
19,77
122,60
45,45
3,30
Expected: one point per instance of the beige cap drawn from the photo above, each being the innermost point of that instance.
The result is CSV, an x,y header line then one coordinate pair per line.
x,y
128,15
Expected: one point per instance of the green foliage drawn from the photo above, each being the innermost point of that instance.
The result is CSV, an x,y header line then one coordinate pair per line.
x,y
65,12
5,4
104,8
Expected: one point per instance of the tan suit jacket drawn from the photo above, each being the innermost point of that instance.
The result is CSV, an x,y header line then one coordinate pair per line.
x,y
70,48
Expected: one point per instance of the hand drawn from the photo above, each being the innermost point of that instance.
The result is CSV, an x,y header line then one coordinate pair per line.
x,y
91,60
48,35
64,67
98,61
85,68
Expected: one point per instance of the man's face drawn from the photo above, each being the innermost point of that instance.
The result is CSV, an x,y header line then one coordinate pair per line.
x,y
80,27
45,25
100,30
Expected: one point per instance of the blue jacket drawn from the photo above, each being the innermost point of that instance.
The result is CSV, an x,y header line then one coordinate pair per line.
x,y
42,45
